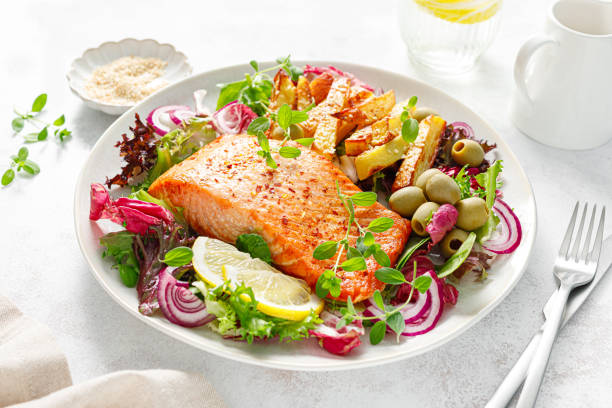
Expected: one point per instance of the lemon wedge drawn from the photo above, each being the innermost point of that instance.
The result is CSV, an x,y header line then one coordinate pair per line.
x,y
461,11
277,294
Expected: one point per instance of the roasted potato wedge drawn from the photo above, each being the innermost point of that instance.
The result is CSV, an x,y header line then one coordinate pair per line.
x,y
320,87
422,153
321,125
358,142
284,91
358,95
379,157
304,96
369,111
378,133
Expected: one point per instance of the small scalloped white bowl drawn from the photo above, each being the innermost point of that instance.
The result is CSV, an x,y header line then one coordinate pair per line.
x,y
81,68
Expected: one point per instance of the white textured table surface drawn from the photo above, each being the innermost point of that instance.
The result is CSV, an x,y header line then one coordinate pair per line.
x,y
44,273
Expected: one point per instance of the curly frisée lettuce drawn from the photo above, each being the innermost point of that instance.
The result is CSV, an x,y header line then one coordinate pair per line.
x,y
238,317
177,145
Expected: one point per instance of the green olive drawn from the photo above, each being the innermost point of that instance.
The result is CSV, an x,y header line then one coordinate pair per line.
x,y
466,151
296,132
442,189
422,180
421,217
472,213
452,241
277,133
423,112
406,200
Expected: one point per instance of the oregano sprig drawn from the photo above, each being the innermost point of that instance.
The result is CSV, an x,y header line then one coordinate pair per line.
x,y
410,126
356,256
19,162
391,316
285,117
41,134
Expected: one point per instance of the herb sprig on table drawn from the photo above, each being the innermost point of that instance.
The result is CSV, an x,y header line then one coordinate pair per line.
x,y
20,161
43,128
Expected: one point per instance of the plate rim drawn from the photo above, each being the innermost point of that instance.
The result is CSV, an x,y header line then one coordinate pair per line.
x,y
339,364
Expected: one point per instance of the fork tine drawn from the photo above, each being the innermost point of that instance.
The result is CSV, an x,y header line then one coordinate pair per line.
x,y
568,234
574,252
599,238
587,243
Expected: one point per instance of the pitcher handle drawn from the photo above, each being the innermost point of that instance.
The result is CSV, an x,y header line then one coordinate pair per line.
x,y
522,60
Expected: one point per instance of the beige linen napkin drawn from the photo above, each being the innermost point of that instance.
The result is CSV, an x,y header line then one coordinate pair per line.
x,y
34,373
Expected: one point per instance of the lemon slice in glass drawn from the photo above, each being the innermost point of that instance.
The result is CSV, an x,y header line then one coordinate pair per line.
x,y
209,256
461,11
277,294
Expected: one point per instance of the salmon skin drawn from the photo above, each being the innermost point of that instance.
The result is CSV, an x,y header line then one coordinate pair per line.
x,y
226,189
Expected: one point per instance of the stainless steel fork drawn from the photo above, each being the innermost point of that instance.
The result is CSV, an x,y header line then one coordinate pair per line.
x,y
572,268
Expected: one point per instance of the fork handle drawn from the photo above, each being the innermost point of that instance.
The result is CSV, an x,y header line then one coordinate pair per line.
x,y
513,381
535,374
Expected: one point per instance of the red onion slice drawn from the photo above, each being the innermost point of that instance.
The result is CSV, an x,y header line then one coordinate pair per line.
x,y
411,312
163,119
429,320
510,232
467,129
179,304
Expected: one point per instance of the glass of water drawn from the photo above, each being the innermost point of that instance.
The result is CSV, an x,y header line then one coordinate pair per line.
x,y
448,36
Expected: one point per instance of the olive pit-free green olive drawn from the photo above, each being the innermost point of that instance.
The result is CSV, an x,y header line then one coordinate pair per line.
x,y
472,213
466,151
452,241
442,189
277,133
296,132
420,216
422,180
421,113
405,201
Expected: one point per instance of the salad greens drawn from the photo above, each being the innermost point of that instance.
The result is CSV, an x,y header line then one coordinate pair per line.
x,y
120,247
176,146
489,181
238,316
255,89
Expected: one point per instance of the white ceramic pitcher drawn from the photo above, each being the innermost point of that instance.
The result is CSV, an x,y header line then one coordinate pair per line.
x,y
564,77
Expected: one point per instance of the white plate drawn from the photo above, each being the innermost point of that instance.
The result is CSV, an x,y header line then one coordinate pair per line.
x,y
475,301
177,67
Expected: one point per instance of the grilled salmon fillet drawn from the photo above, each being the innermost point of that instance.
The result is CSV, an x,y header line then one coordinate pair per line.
x,y
226,189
